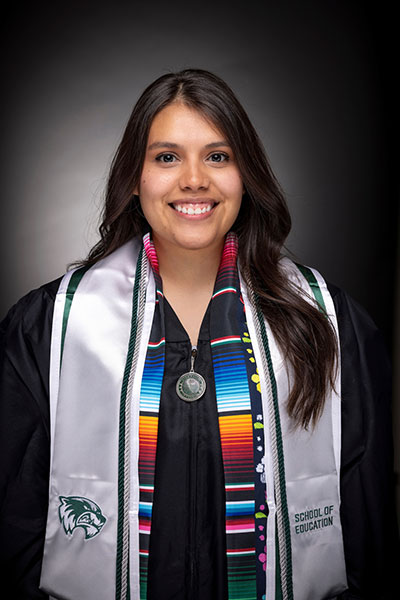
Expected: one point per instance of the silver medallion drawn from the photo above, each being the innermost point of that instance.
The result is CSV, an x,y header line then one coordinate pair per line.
x,y
191,386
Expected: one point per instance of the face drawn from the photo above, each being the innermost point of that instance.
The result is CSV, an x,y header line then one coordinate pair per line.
x,y
190,188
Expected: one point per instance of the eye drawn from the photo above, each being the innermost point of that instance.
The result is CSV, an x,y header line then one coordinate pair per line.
x,y
165,158
219,157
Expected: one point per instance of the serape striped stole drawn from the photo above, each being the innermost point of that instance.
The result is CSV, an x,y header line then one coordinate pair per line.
x,y
241,427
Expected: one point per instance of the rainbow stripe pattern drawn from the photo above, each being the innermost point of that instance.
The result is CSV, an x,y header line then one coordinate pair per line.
x,y
240,424
230,351
150,393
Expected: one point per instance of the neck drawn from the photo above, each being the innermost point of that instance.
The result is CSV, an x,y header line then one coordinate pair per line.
x,y
188,279
186,268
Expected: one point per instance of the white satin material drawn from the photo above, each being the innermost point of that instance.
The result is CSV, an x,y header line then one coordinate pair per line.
x,y
84,441
85,425
312,471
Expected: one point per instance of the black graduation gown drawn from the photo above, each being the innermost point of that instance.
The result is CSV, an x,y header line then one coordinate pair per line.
x,y
189,453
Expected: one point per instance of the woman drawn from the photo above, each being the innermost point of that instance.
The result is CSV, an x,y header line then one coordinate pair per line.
x,y
209,437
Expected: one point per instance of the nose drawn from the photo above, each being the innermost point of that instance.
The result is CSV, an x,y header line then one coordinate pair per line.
x,y
193,175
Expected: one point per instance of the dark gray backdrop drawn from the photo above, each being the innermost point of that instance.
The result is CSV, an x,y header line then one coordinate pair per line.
x,y
317,79
313,76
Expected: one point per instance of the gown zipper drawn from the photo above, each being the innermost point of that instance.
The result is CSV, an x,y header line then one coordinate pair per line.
x,y
192,592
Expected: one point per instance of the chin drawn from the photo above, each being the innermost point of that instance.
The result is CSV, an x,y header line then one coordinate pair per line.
x,y
199,242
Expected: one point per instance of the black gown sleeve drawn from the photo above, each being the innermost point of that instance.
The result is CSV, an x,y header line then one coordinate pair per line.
x,y
24,439
368,511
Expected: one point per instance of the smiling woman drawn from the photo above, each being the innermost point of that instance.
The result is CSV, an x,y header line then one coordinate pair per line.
x,y
203,187
173,404
199,181
190,193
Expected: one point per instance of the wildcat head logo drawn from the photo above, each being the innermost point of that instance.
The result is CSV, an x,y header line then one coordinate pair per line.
x,y
76,511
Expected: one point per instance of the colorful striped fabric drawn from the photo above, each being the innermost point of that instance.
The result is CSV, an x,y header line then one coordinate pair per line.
x,y
239,409
240,424
148,422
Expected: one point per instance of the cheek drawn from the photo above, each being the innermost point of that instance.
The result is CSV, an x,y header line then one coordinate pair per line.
x,y
231,183
233,189
154,184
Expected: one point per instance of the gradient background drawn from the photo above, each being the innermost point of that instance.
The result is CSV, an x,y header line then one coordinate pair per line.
x,y
316,78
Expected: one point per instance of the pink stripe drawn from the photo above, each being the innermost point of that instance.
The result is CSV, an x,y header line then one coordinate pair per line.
x,y
151,252
230,251
240,527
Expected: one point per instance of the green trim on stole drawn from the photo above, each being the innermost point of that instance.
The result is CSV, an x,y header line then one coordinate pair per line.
x,y
278,583
69,296
282,478
75,280
122,430
316,290
313,283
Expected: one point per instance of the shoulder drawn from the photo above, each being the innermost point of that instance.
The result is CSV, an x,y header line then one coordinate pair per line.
x,y
351,315
348,307
35,306
25,335
362,345
358,332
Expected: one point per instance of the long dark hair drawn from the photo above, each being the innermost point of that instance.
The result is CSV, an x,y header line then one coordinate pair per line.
x,y
303,333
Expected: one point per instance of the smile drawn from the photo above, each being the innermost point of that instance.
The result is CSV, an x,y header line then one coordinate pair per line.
x,y
193,209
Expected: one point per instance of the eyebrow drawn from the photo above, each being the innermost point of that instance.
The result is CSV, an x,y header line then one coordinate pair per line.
x,y
178,146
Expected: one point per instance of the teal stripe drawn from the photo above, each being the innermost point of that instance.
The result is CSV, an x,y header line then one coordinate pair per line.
x,y
313,283
69,296
145,510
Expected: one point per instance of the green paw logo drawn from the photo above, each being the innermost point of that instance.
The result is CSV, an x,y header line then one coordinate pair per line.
x,y
76,511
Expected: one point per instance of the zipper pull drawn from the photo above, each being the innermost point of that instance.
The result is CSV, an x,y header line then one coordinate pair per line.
x,y
191,386
192,358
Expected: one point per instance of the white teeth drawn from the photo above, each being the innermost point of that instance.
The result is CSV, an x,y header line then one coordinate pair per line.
x,y
189,210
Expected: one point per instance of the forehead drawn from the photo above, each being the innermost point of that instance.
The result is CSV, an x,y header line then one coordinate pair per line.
x,y
180,123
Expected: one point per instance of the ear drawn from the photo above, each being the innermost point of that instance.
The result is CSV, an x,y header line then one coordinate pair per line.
x,y
136,191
